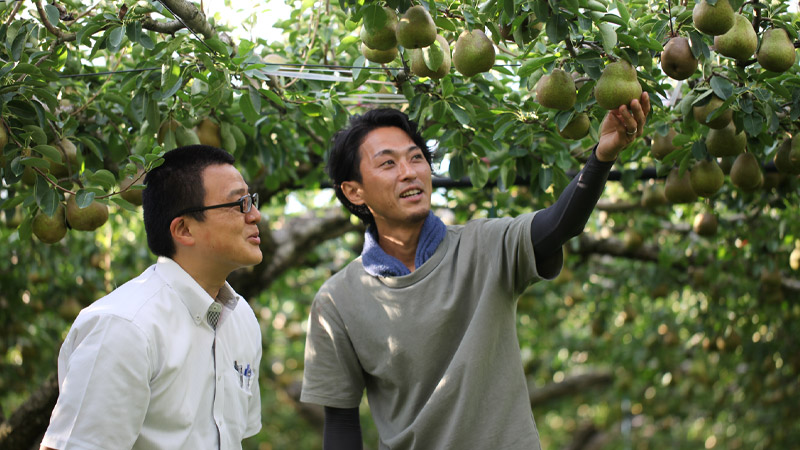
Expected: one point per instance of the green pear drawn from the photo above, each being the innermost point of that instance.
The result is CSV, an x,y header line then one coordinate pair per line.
x,y
577,128
419,55
662,144
701,113
746,172
725,141
782,161
59,168
777,52
556,90
739,42
677,59
713,19
706,178
705,224
653,195
618,85
794,151
416,28
132,195
678,187
382,37
86,219
379,56
473,53
50,229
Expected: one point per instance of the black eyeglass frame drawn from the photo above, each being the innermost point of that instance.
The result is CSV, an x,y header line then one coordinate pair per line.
x,y
253,202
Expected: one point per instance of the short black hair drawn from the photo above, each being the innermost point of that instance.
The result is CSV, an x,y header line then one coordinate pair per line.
x,y
175,185
344,157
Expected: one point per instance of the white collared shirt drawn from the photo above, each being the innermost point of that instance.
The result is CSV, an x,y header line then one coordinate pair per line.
x,y
142,369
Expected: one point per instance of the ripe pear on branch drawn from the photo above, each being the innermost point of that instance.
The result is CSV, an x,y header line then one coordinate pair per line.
x,y
618,85
88,218
777,53
783,162
705,224
739,42
432,61
702,112
746,172
706,177
379,56
577,128
473,53
678,187
662,145
208,132
713,19
50,229
556,90
416,28
677,59
381,36
725,141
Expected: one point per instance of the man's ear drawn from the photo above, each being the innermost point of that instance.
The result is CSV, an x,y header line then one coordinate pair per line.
x,y
181,232
352,190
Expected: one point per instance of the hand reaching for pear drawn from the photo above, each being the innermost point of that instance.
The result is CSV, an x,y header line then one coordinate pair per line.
x,y
621,127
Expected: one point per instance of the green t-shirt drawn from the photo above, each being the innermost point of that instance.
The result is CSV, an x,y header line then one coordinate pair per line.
x,y
436,350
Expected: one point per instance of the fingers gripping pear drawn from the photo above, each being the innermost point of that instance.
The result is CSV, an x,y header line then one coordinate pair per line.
x,y
617,86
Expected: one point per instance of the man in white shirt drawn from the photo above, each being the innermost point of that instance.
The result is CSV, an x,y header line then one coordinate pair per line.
x,y
170,359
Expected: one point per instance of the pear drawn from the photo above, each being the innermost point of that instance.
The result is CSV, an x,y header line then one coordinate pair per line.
x,y
473,53
776,53
618,85
746,172
50,229
714,19
653,195
208,133
132,195
556,90
662,145
794,151
167,126
701,113
379,56
739,42
416,28
418,65
3,137
782,161
677,59
577,128
383,37
59,168
706,178
86,219
678,188
705,224
725,141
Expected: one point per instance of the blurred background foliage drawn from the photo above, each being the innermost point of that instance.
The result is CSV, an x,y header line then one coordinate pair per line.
x,y
656,334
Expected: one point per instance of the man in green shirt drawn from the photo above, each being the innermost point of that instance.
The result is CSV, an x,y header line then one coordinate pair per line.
x,y
424,319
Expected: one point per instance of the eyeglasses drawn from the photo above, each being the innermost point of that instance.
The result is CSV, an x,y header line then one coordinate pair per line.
x,y
245,203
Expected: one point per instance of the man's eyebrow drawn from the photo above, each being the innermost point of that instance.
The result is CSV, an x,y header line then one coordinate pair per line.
x,y
392,151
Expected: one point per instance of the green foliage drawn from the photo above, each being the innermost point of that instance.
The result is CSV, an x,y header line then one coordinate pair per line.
x,y
107,79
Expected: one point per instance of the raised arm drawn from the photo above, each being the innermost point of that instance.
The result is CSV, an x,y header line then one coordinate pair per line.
x,y
555,225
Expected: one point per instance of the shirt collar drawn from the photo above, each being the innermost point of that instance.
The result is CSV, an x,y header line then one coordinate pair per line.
x,y
192,295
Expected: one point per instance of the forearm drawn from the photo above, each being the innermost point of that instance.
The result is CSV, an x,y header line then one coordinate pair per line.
x,y
555,225
342,430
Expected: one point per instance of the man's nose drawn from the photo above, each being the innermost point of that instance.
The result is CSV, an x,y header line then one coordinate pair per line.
x,y
253,216
407,170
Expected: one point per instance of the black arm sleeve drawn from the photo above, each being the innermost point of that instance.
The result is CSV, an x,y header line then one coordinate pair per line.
x,y
342,430
553,226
